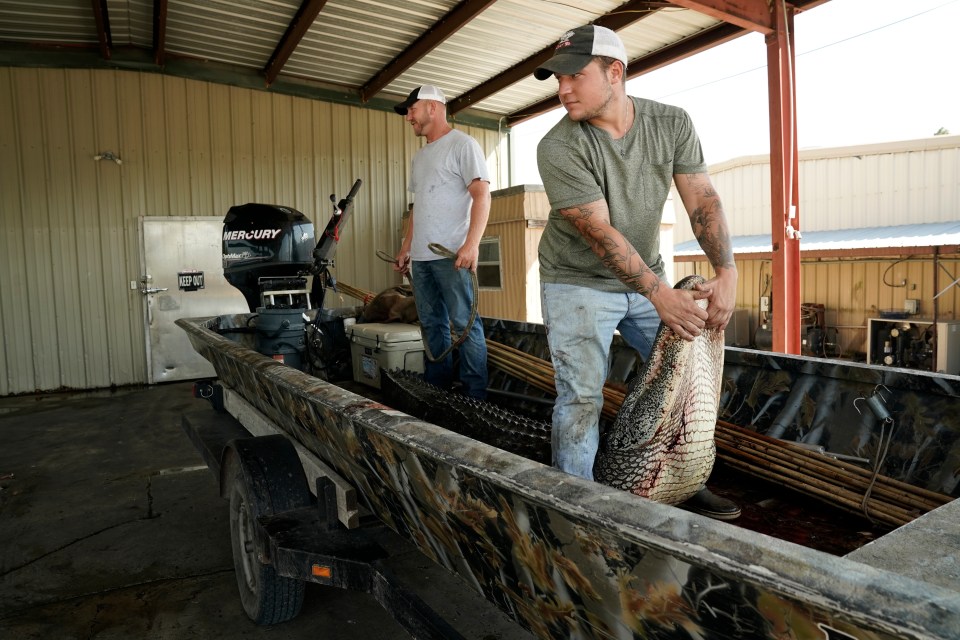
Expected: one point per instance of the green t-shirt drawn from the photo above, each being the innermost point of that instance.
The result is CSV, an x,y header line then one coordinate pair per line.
x,y
580,163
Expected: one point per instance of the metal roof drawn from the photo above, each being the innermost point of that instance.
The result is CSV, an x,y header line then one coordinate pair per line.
x,y
867,240
480,52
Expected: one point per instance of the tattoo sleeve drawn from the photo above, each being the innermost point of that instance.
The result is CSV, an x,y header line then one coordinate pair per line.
x,y
709,223
616,253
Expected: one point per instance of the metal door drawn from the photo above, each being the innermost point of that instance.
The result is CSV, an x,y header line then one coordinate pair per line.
x,y
182,277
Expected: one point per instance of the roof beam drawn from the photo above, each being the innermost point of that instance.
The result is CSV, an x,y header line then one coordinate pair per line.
x,y
617,19
298,27
445,27
645,64
102,18
753,15
160,31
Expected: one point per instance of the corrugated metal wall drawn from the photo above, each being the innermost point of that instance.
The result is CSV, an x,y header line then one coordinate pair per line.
x,y
853,290
68,318
845,187
886,184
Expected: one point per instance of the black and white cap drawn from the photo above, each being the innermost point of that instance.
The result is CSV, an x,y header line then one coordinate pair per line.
x,y
578,47
424,92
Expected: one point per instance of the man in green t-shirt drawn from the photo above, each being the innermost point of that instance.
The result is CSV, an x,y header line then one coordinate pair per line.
x,y
607,168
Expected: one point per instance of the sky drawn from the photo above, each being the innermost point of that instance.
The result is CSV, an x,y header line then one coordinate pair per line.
x,y
867,71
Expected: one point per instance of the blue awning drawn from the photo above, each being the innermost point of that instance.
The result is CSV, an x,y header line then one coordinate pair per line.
x,y
930,234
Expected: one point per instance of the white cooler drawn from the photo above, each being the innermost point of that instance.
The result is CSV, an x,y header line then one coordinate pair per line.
x,y
392,345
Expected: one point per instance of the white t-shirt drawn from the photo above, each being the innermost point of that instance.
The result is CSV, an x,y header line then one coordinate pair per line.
x,y
439,176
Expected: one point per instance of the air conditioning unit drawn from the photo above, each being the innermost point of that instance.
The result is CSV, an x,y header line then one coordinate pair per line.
x,y
914,343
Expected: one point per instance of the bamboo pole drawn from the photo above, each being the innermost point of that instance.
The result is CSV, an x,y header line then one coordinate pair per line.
x,y
834,481
833,493
359,294
817,465
825,495
801,479
847,469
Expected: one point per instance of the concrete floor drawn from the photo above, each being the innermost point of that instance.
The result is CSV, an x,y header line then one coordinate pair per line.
x,y
111,527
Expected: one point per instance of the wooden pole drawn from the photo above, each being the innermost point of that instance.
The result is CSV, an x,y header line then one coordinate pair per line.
x,y
833,481
836,482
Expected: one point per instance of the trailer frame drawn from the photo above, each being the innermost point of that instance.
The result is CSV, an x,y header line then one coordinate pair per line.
x,y
319,537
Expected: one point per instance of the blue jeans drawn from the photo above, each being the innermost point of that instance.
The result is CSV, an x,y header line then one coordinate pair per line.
x,y
444,294
580,324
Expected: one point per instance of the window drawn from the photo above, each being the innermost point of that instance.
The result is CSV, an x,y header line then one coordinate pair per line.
x,y
488,264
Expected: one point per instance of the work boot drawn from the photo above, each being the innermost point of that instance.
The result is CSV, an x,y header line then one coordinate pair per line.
x,y
709,504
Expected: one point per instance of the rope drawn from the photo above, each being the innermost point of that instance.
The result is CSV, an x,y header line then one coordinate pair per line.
x,y
882,449
442,251
386,257
877,404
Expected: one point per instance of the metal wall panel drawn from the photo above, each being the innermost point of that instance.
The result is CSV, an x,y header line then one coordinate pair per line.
x,y
68,315
507,302
41,330
914,181
853,290
874,185
16,353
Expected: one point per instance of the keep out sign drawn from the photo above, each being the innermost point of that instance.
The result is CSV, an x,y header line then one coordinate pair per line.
x,y
190,280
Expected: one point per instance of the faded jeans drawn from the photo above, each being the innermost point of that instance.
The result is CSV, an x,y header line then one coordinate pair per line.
x,y
580,324
442,294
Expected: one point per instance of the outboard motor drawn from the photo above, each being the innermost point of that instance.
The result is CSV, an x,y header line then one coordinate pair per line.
x,y
267,248
268,252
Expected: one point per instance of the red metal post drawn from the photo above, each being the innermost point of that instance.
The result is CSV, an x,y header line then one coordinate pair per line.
x,y
784,158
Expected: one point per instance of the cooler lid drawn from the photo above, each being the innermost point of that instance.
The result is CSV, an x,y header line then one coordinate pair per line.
x,y
385,332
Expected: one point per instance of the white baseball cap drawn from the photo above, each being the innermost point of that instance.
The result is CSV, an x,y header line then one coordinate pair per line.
x,y
424,92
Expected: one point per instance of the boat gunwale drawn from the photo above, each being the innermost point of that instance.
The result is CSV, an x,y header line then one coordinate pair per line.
x,y
858,372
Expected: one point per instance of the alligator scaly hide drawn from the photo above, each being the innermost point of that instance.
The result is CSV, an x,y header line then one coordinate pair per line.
x,y
660,445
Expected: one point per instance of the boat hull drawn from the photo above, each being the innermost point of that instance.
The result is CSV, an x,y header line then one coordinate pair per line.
x,y
566,557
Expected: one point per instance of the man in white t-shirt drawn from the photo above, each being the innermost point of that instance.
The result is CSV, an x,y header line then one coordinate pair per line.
x,y
451,186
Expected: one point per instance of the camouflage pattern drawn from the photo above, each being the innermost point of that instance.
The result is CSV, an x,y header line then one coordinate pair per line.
x,y
848,408
851,409
566,557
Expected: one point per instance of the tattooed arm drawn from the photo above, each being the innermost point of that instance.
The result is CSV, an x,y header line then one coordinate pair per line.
x,y
710,228
677,308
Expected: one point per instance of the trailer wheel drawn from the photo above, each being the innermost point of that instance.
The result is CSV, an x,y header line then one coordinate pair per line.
x,y
267,597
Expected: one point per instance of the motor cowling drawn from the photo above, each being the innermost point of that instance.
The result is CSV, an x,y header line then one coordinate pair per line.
x,y
265,241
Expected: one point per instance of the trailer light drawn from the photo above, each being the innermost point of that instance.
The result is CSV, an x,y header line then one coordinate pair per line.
x,y
321,571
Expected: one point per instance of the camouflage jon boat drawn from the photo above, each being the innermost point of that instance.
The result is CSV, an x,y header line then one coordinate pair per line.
x,y
569,558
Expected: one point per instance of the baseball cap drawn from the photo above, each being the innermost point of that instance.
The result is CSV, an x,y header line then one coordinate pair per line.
x,y
578,47
424,92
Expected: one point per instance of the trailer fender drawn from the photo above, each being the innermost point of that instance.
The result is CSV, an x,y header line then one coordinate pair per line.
x,y
271,467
